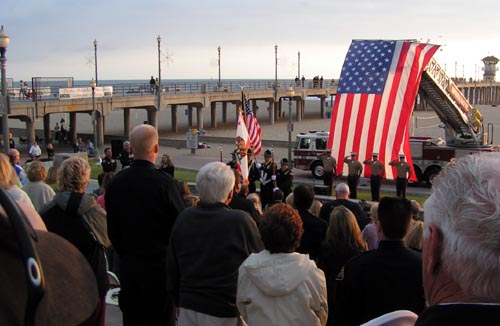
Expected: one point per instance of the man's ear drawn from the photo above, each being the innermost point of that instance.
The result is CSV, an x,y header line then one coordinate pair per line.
x,y
434,249
157,148
229,196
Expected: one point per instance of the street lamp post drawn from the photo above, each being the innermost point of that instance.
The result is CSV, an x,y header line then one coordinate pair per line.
x,y
95,62
158,39
218,49
4,43
94,115
290,127
276,68
298,57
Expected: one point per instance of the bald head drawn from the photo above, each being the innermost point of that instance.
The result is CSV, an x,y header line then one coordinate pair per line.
x,y
144,142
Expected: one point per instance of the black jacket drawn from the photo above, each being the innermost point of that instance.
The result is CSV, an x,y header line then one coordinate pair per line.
x,y
459,314
208,244
328,207
241,203
377,282
313,236
142,204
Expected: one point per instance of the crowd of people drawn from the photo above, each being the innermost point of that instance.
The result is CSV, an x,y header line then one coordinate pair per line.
x,y
231,255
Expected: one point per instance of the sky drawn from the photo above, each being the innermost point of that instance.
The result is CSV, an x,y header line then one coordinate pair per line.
x,y
54,38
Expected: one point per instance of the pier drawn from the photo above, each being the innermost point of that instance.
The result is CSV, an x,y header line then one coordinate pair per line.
x,y
196,98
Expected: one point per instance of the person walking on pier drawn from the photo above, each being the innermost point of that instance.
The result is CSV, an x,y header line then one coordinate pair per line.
x,y
354,172
142,204
404,172
377,172
152,85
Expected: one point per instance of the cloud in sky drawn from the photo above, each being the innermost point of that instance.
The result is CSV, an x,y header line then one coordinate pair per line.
x,y
54,37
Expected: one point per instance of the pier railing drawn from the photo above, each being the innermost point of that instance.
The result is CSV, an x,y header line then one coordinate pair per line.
x,y
144,89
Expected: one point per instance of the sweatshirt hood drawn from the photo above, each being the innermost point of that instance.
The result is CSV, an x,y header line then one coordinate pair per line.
x,y
277,274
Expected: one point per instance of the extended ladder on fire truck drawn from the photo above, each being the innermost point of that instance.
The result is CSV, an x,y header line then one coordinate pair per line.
x,y
463,123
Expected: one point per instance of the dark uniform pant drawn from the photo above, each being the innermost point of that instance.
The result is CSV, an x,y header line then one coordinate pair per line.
x,y
375,187
352,182
401,187
328,181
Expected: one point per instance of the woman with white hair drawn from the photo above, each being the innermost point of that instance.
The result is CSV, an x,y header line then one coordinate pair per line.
x,y
39,192
207,245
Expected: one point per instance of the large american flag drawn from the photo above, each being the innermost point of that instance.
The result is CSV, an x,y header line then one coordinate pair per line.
x,y
375,98
253,128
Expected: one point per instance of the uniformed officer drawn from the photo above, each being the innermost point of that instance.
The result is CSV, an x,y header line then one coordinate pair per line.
x,y
253,172
355,168
284,178
267,179
377,172
234,161
329,170
108,162
403,170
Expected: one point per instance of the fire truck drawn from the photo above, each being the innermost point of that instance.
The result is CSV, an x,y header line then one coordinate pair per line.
x,y
309,147
463,124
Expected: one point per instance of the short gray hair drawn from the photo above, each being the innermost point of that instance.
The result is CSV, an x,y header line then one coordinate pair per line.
x,y
342,187
465,206
214,182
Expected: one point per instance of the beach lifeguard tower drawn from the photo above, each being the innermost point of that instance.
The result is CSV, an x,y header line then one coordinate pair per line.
x,y
490,68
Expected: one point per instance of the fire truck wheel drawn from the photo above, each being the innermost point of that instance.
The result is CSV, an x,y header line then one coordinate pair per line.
x,y
317,170
431,174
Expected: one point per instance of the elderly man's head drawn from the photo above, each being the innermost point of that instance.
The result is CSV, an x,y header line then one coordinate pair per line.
x,y
14,156
342,191
461,257
215,183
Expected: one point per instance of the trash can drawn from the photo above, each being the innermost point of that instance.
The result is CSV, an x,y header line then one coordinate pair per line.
x,y
116,147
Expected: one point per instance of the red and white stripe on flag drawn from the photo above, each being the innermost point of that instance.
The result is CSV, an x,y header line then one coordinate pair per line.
x,y
375,98
253,128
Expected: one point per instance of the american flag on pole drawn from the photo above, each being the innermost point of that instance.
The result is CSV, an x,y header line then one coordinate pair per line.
x,y
375,98
253,128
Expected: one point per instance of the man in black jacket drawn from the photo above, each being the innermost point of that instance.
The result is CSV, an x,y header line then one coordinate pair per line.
x,y
208,244
342,198
142,204
385,279
314,228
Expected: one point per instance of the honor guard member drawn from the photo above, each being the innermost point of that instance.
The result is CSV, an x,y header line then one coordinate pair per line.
x,y
234,160
329,170
267,179
253,172
377,172
108,162
403,171
284,177
355,168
